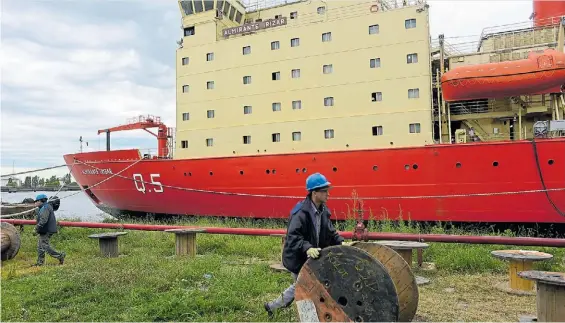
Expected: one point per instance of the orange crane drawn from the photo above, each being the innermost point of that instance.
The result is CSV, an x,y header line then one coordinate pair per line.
x,y
143,122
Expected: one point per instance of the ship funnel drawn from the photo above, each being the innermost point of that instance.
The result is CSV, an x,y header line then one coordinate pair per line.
x,y
547,12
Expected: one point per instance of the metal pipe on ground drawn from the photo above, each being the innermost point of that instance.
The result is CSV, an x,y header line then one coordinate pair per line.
x,y
444,238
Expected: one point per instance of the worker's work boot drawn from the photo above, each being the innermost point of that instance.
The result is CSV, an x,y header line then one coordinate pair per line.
x,y
62,259
268,309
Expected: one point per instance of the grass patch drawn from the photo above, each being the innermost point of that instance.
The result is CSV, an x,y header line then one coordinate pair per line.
x,y
230,278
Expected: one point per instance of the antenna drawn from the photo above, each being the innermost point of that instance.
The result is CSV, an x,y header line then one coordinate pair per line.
x,y
80,143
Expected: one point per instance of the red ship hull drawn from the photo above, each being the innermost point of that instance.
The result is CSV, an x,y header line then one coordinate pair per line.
x,y
408,183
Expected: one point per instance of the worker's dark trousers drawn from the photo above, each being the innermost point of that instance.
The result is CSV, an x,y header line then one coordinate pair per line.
x,y
44,246
286,298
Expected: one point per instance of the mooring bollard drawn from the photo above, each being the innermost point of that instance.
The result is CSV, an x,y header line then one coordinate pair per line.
x,y
401,274
108,243
345,284
519,260
550,296
11,241
185,241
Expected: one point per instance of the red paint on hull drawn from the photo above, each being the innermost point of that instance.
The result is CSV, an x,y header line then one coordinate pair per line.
x,y
436,170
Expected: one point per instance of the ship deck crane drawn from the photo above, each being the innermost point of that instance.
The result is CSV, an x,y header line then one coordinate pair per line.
x,y
144,122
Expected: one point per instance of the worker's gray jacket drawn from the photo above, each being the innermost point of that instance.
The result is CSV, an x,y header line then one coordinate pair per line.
x,y
300,235
46,222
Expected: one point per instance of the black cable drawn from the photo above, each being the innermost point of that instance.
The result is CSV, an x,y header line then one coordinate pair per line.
x,y
543,182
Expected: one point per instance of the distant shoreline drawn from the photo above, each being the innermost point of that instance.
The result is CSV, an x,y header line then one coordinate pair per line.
x,y
8,189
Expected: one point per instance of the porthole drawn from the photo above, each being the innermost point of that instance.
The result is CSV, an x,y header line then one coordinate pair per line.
x,y
297,170
407,167
495,163
304,170
458,165
189,174
267,171
375,167
550,162
211,173
335,169
415,166
274,171
240,172
185,174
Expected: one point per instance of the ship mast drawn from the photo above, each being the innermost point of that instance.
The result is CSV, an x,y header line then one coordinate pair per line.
x,y
444,122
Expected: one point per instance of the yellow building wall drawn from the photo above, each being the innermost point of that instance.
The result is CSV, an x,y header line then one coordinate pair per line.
x,y
350,84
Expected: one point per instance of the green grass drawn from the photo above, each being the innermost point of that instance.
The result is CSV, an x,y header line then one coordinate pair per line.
x,y
228,280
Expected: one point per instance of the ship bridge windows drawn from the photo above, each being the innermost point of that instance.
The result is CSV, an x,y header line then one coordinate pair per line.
x,y
246,50
247,79
185,88
209,142
209,57
276,137
373,29
377,130
415,128
232,13
275,76
321,10
186,5
375,62
198,6
247,109
295,73
412,58
246,140
327,69
208,4
295,42
326,37
185,116
238,17
296,136
210,114
276,106
210,85
294,15
376,96
413,93
275,45
296,105
189,31
185,60
329,101
328,133
410,23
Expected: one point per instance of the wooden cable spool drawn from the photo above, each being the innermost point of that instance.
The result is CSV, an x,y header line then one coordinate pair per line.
x,y
401,274
11,242
345,284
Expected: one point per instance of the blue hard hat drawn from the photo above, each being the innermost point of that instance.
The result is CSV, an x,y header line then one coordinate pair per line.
x,y
316,181
40,196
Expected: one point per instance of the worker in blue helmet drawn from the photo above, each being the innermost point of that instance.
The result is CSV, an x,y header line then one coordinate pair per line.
x,y
309,231
46,226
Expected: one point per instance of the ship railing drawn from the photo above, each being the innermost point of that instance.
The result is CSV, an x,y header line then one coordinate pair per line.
x,y
549,22
471,107
256,5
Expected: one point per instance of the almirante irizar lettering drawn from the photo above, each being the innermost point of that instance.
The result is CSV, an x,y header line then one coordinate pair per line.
x,y
254,26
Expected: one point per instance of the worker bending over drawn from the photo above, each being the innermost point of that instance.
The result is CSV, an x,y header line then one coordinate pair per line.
x,y
309,231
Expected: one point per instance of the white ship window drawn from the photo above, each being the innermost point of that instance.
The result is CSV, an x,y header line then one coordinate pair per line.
x,y
210,114
209,142
246,140
185,116
275,45
376,96
276,137
377,130
246,50
184,144
294,15
328,68
275,76
296,105
295,73
328,133
326,37
185,88
413,93
189,31
278,16
412,58
414,128
329,101
247,80
373,29
296,136
185,60
276,106
210,56
321,10
247,109
238,17
295,42
410,23
375,62
210,85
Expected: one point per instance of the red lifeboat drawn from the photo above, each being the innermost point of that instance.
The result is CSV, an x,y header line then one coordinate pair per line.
x,y
539,73
547,12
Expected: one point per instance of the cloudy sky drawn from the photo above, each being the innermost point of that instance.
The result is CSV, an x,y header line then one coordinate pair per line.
x,y
72,67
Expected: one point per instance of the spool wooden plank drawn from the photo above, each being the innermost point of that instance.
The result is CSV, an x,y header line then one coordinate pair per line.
x,y
550,296
11,241
401,274
347,284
